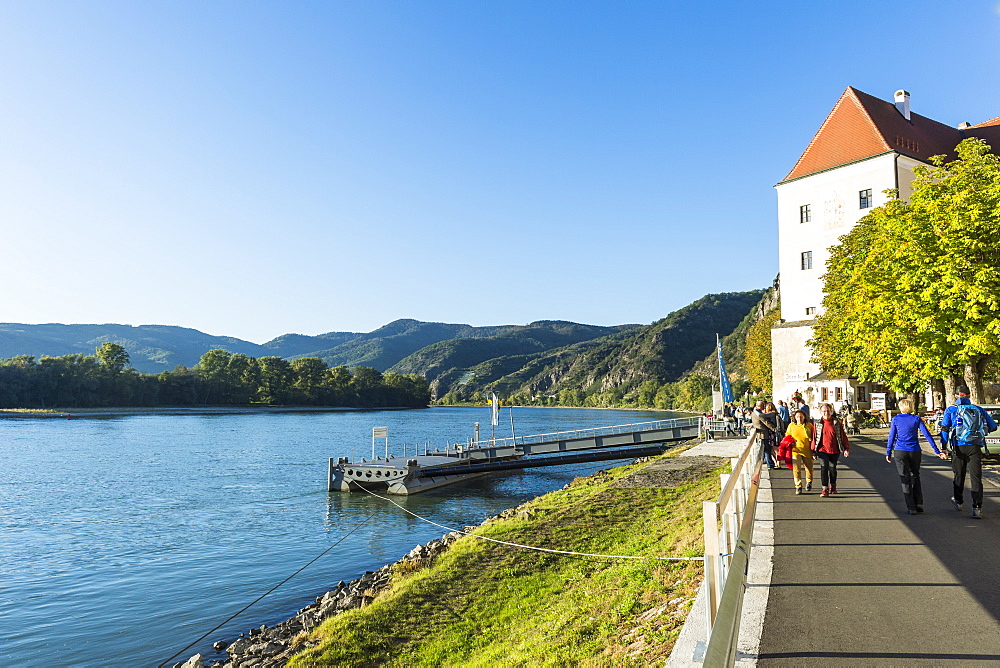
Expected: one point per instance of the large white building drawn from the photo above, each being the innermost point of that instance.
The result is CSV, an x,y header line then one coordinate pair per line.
x,y
864,147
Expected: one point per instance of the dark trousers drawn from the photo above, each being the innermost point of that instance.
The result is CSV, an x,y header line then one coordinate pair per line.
x,y
828,474
968,458
908,467
767,441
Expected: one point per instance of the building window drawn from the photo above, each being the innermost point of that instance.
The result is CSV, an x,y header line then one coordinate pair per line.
x,y
824,394
866,198
862,393
810,310
807,260
804,215
838,394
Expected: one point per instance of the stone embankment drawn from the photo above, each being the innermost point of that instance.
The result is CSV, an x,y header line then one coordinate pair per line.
x,y
272,647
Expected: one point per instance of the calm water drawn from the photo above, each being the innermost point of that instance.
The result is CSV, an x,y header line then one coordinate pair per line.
x,y
124,539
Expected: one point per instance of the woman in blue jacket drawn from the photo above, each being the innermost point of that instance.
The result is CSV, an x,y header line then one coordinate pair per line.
x,y
904,448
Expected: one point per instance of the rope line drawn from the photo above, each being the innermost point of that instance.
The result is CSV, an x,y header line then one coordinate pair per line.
x,y
528,547
259,598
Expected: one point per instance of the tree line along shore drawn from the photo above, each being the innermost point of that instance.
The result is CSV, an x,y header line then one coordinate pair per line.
x,y
220,378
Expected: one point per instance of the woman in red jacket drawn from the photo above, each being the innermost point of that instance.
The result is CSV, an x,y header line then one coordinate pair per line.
x,y
829,440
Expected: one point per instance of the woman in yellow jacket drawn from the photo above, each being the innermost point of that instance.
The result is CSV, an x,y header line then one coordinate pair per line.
x,y
801,429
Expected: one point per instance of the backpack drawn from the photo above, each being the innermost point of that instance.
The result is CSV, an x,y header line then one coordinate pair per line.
x,y
969,428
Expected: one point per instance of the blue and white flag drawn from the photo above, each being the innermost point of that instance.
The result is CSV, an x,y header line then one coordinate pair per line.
x,y
727,389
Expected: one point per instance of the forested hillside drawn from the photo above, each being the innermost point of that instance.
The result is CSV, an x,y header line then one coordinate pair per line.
x,y
156,348
604,370
447,357
387,345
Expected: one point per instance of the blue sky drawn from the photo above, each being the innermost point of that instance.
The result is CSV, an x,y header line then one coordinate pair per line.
x,y
256,168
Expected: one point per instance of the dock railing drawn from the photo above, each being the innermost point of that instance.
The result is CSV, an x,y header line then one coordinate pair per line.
x,y
589,433
729,524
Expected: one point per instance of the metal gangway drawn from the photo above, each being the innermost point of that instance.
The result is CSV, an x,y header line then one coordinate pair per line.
x,y
554,444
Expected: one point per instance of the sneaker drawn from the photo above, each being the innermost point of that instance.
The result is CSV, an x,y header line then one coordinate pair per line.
x,y
833,489
798,490
911,511
809,486
977,513
920,509
825,492
956,504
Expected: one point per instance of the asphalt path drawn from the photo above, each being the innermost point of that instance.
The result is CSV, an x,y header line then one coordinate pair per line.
x,y
857,581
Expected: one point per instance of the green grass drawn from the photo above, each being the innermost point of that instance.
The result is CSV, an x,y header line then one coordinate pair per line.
x,y
485,604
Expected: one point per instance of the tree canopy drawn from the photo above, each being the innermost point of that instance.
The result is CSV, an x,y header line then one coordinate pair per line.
x,y
220,378
913,291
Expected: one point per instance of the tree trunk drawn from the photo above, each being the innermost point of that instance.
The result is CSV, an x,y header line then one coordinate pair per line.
x,y
974,378
937,394
951,381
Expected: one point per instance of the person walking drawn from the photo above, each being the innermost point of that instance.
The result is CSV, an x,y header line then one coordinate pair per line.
x,y
799,405
963,432
765,422
785,416
801,430
903,448
829,441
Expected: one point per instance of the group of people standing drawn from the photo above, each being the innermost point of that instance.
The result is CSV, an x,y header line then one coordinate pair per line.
x,y
788,434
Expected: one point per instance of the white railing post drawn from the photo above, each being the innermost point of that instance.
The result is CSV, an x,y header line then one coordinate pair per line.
x,y
710,511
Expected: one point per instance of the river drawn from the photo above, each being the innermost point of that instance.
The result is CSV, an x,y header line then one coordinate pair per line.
x,y
123,539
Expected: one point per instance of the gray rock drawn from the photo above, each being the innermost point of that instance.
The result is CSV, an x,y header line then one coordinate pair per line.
x,y
220,645
196,661
240,646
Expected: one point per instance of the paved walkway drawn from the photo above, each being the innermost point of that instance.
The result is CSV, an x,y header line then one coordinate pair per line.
x,y
856,581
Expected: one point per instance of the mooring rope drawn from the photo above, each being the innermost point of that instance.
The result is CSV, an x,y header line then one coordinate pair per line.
x,y
261,597
528,547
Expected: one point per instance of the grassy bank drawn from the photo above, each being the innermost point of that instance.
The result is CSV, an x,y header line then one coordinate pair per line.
x,y
484,603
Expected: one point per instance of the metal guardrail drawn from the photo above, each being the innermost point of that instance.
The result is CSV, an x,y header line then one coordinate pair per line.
x,y
587,433
728,535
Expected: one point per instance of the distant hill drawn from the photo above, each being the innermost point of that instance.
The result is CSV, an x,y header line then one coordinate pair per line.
x,y
447,360
391,343
663,351
156,348
542,357
152,348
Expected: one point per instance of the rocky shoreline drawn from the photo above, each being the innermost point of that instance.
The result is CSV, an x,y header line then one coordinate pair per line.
x,y
272,647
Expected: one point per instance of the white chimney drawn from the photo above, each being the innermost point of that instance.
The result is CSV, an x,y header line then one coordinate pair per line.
x,y
902,99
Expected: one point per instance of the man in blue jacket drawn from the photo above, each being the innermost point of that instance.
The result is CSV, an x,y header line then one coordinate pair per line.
x,y
963,431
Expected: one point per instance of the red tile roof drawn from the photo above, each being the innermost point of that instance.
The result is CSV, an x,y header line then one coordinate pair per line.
x,y
861,126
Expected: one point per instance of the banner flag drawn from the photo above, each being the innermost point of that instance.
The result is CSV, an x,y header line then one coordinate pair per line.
x,y
727,389
495,402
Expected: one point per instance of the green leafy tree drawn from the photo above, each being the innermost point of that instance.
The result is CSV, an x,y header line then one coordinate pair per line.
x,y
757,355
113,357
913,291
275,380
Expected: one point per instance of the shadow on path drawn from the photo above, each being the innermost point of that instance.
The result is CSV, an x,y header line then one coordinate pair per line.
x,y
858,581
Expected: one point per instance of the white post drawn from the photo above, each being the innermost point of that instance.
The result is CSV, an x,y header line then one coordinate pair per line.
x,y
710,510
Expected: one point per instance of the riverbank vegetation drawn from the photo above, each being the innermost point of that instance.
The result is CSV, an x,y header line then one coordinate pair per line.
x,y
220,378
484,603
